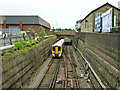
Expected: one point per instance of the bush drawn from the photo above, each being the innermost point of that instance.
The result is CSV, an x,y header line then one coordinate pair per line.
x,y
32,32
16,36
10,38
23,35
10,50
33,41
18,45
27,44
53,31
42,33
29,36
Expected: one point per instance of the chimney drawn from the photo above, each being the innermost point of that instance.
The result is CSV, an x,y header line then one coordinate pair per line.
x,y
119,4
21,25
4,23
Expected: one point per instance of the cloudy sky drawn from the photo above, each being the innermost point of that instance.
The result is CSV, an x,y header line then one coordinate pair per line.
x,y
59,13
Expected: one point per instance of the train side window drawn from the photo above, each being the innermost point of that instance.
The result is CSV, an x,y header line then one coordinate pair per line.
x,y
53,48
59,48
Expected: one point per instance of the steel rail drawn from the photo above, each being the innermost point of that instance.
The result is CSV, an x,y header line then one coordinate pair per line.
x,y
65,70
77,81
53,81
63,84
76,78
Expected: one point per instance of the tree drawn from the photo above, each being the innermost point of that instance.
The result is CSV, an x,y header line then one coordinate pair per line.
x,y
16,37
23,35
78,29
10,38
32,32
53,31
42,32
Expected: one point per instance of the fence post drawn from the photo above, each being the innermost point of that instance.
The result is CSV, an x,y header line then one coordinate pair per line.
x,y
4,40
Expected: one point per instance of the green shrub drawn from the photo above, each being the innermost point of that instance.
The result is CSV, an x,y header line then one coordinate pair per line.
x,y
32,32
23,35
42,32
27,44
10,38
11,50
30,41
53,31
16,36
29,36
18,45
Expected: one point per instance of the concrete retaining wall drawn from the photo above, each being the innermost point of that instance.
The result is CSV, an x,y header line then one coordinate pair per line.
x,y
17,70
102,52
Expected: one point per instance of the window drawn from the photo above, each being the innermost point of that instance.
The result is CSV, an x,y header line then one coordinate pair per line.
x,y
53,48
59,48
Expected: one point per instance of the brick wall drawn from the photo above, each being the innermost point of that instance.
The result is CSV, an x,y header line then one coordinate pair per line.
x,y
25,27
35,27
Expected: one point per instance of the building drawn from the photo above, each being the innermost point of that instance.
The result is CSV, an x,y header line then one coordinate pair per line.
x,y
78,25
119,4
16,22
88,23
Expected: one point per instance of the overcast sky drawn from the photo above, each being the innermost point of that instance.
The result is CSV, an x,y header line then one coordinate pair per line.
x,y
59,13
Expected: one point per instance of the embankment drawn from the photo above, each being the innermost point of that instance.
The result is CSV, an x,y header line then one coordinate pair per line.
x,y
17,70
100,54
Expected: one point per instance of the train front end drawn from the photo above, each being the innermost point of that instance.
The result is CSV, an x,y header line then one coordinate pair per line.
x,y
57,48
57,51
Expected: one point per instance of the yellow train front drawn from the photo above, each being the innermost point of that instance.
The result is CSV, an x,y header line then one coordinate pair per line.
x,y
57,49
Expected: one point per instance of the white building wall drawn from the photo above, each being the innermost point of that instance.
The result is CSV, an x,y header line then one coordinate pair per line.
x,y
119,4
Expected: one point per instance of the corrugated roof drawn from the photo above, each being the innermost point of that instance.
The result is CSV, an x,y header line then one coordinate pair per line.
x,y
28,19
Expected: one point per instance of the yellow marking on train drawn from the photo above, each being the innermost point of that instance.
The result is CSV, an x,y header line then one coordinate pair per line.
x,y
59,51
56,50
53,51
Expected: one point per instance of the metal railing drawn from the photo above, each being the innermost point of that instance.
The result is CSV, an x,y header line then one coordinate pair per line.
x,y
6,41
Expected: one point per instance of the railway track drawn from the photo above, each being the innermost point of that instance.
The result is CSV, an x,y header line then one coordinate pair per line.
x,y
63,68
49,78
54,78
45,82
71,75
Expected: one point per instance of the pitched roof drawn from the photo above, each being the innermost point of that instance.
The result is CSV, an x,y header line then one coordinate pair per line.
x,y
99,8
26,19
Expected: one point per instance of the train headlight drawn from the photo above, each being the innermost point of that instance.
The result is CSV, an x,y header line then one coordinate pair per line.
x,y
53,55
59,51
59,55
53,51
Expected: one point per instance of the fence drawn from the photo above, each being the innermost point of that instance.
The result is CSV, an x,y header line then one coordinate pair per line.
x,y
6,41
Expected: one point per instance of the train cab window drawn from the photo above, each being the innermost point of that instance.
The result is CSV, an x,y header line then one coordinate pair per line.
x,y
53,48
59,48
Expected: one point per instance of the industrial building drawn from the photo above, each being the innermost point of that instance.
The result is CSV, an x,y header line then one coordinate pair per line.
x,y
23,23
92,22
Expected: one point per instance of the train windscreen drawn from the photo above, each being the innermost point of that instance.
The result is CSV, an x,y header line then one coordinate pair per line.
x,y
59,48
53,48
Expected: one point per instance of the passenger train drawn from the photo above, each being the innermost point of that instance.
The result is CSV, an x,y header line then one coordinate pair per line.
x,y
57,49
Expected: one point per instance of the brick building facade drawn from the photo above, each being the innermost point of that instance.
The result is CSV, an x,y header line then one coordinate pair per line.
x,y
24,23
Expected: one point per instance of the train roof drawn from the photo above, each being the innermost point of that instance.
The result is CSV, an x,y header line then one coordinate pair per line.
x,y
67,40
59,43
